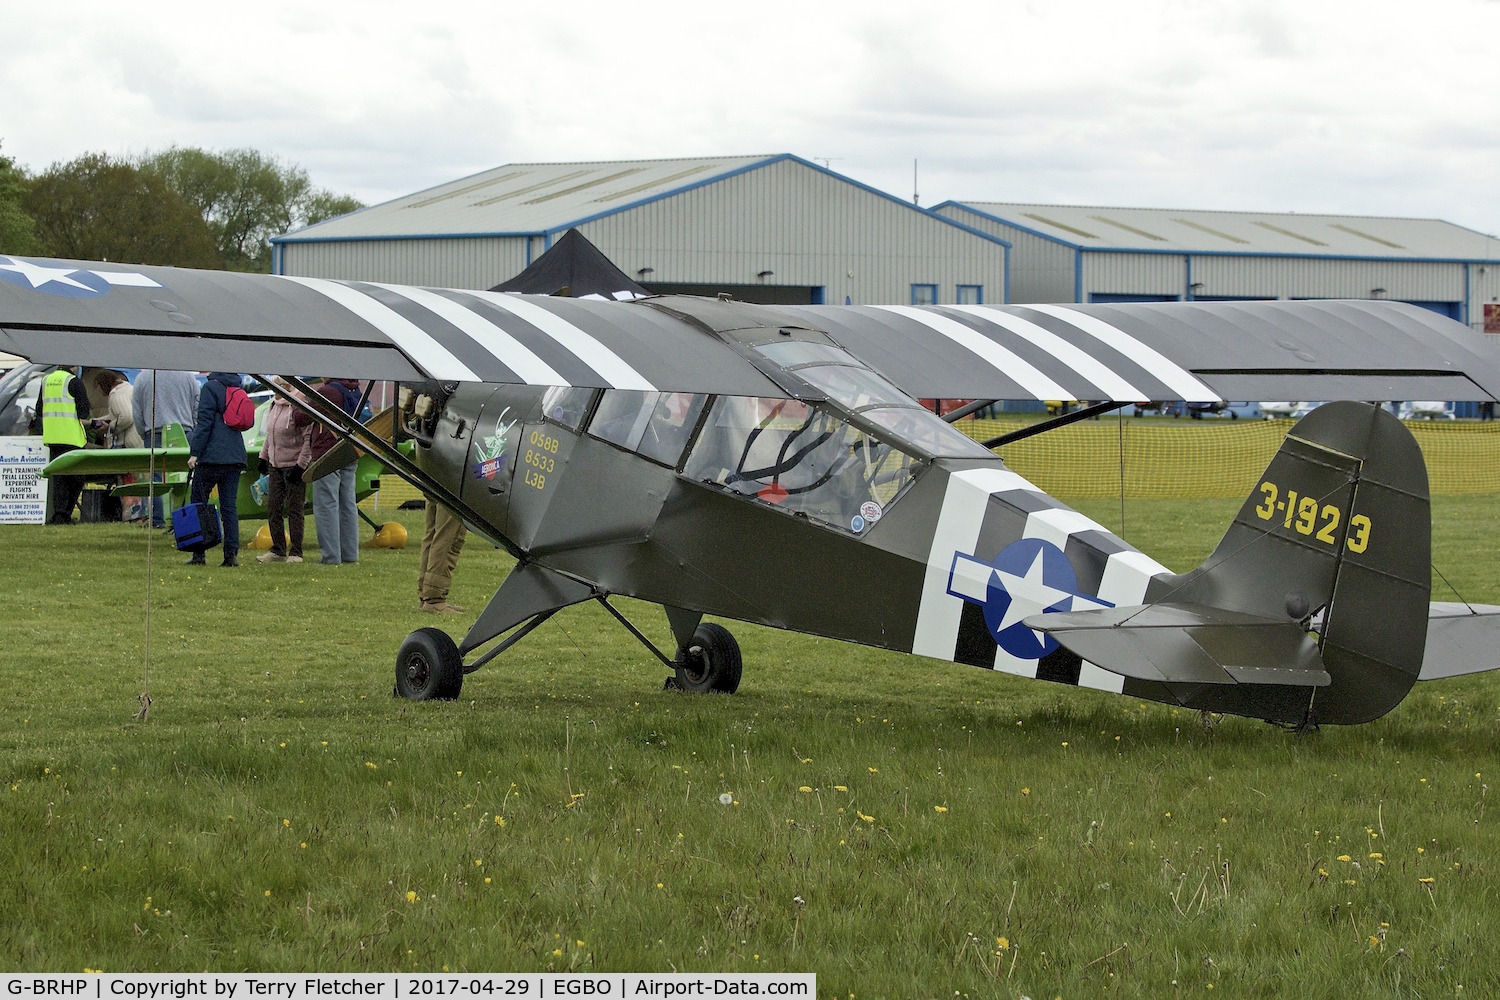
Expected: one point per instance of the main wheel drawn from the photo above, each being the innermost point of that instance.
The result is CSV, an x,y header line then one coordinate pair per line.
x,y
429,667
711,662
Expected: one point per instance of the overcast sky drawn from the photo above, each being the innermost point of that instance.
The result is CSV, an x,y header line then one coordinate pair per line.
x,y
1372,108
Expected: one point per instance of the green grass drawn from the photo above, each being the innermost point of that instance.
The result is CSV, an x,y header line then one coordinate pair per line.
x,y
1116,846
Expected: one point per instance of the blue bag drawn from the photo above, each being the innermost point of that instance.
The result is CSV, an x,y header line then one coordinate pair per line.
x,y
195,526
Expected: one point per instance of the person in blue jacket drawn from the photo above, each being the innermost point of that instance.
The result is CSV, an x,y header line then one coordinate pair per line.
x,y
216,456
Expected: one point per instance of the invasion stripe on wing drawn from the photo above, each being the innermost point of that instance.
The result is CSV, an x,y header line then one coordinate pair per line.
x,y
1091,368
416,343
511,352
1000,358
590,351
1171,374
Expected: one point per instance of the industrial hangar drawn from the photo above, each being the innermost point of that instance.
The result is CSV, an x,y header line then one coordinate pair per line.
x,y
1070,253
772,229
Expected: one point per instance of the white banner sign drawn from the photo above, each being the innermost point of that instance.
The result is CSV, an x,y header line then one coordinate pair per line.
x,y
23,491
478,985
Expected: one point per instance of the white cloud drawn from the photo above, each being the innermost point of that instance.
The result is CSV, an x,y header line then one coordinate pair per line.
x,y
1376,108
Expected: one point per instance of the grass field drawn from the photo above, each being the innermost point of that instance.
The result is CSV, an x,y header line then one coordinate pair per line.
x,y
893,819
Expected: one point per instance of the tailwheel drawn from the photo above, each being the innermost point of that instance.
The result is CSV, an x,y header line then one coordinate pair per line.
x,y
429,667
710,662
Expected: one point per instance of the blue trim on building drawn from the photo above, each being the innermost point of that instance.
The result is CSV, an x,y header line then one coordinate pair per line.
x,y
978,294
819,294
405,236
1468,268
932,290
1077,274
1187,287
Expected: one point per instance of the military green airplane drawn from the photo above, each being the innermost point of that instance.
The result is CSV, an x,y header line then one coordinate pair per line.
x,y
772,465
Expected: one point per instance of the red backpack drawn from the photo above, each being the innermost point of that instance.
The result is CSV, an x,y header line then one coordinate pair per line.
x,y
239,412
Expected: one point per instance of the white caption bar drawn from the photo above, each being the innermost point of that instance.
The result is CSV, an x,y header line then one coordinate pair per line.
x,y
461,985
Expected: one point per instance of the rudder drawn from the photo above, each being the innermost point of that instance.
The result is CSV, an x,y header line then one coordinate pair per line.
x,y
1340,524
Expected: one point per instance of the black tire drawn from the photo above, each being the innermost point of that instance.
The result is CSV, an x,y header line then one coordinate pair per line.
x,y
429,667
711,662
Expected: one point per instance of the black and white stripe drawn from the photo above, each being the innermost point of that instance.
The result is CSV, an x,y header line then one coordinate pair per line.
x,y
983,511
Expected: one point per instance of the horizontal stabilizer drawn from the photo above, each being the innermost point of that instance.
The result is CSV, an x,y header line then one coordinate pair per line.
x,y
1189,644
1461,639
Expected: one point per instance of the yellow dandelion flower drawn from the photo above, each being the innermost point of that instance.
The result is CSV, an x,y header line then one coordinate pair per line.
x,y
283,746
371,766
580,944
486,880
478,863
499,820
840,788
1350,881
325,743
660,886
1376,856
460,774
1421,850
1343,857
557,953
268,893
804,788
411,896
1223,819
941,809
304,845
1374,941
1065,742
1025,791
873,770
1427,881
1004,943
1322,873
286,822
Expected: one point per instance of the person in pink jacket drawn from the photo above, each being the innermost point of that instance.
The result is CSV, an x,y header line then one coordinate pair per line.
x,y
283,458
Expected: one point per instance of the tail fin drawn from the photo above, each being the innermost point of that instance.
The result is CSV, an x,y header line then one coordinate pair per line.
x,y
1339,524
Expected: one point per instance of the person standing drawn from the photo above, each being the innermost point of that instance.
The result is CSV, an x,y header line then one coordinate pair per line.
x,y
161,398
116,389
335,516
62,408
443,537
283,459
216,456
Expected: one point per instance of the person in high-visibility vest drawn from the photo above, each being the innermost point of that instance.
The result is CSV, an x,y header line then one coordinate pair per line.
x,y
62,408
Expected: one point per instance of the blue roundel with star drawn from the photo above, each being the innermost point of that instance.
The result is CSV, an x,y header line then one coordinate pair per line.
x,y
54,279
1031,576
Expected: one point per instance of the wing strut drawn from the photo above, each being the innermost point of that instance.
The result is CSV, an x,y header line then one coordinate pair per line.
x,y
1056,422
350,429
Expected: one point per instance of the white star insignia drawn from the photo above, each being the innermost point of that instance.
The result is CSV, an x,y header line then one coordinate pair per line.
x,y
1029,594
39,275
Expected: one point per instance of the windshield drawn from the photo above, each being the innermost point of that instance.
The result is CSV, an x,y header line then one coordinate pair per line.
x,y
791,353
801,459
931,434
855,387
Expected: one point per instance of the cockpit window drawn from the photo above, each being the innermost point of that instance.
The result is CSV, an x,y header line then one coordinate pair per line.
x,y
801,459
791,353
928,433
657,425
672,422
567,405
855,387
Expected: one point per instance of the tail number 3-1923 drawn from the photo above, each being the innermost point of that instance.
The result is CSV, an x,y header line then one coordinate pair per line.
x,y
1304,514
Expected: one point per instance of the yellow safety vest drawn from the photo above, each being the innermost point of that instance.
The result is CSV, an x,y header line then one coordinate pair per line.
x,y
60,424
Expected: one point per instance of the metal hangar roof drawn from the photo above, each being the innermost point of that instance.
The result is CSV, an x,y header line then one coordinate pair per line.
x,y
1202,232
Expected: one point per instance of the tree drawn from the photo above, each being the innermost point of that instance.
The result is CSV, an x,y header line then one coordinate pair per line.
x,y
98,208
17,229
246,197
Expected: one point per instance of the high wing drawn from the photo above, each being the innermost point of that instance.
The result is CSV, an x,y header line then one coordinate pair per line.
x,y
157,317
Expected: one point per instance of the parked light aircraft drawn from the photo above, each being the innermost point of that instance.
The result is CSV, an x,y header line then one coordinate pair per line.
x,y
771,465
